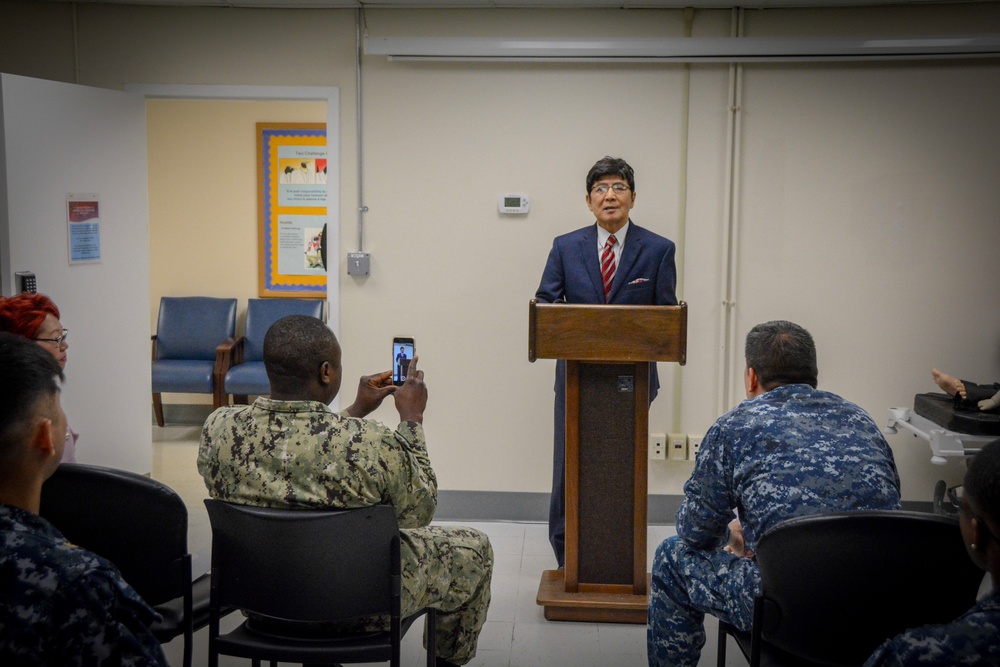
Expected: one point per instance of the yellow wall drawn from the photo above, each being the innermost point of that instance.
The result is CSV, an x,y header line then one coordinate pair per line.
x,y
203,224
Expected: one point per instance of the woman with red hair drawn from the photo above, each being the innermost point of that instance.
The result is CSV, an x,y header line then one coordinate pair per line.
x,y
34,316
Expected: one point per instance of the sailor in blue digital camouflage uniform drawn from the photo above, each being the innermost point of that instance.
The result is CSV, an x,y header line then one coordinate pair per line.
x,y
59,604
292,451
788,450
974,637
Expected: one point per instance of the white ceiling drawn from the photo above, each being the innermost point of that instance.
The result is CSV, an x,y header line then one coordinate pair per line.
x,y
521,4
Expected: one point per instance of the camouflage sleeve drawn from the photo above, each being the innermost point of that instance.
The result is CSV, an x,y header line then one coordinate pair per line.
x,y
704,516
411,482
879,658
971,639
106,622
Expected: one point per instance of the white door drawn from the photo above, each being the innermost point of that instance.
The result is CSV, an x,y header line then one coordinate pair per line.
x,y
58,139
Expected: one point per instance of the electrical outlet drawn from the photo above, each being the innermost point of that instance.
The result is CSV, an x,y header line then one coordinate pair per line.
x,y
658,446
694,446
678,446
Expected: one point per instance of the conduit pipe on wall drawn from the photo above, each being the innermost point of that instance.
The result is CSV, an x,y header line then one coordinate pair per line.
x,y
730,238
362,209
682,192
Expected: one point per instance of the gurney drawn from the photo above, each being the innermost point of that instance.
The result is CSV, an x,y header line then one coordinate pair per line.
x,y
949,432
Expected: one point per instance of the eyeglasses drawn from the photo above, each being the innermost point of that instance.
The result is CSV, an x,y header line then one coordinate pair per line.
x,y
55,341
955,495
602,188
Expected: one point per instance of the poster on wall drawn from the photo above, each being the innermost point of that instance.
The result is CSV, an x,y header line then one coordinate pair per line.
x,y
292,208
83,228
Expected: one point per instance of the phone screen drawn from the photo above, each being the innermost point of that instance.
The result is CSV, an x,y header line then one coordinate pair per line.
x,y
402,352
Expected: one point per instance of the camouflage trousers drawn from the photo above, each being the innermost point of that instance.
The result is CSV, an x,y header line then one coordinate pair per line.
x,y
687,583
447,569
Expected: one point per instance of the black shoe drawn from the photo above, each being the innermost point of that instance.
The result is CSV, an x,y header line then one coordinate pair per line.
x,y
441,662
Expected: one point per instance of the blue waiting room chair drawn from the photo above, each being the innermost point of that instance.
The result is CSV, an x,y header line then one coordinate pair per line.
x,y
240,363
188,331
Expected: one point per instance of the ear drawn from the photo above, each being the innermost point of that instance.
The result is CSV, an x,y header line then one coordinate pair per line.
x,y
325,374
750,382
43,439
589,204
976,534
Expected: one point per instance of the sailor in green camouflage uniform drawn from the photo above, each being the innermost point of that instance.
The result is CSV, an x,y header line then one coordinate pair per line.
x,y
59,604
292,451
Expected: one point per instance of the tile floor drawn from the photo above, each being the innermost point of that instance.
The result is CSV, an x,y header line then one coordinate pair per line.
x,y
516,633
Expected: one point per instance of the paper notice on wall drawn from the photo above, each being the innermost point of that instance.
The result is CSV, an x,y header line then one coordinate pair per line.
x,y
83,221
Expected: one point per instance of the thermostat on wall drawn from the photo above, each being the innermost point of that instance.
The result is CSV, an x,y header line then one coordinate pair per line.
x,y
514,204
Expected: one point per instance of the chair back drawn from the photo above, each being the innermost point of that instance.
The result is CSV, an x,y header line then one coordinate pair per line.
x,y
137,523
262,313
191,327
305,565
835,586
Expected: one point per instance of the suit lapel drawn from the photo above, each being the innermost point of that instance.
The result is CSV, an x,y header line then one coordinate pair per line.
x,y
588,250
633,244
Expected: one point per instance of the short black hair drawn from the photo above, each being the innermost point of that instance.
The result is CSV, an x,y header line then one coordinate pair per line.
x,y
294,348
781,352
610,166
982,481
30,376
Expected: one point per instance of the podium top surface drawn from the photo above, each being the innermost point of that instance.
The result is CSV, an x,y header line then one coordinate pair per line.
x,y
614,333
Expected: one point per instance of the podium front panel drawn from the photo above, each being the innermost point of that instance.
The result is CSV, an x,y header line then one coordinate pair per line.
x,y
606,472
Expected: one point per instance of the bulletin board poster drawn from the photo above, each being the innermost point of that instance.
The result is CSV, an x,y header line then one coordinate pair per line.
x,y
292,208
83,227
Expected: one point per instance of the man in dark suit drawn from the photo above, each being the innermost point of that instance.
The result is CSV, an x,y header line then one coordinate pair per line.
x,y
613,261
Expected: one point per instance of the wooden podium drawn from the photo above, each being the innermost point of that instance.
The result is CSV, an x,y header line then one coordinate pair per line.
x,y
608,350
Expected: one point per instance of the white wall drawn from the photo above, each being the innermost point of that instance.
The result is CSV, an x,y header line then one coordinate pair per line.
x,y
858,183
864,205
63,139
869,198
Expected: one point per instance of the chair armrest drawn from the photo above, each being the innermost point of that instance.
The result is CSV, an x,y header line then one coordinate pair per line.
x,y
153,339
229,353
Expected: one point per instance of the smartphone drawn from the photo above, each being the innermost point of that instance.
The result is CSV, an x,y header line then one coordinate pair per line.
x,y
402,352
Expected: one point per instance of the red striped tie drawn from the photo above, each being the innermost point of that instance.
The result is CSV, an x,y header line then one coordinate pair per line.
x,y
608,264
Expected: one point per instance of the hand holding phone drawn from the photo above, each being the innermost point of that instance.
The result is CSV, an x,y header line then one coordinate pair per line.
x,y
411,396
372,390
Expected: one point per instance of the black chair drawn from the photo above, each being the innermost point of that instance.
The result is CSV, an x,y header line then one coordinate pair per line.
x,y
302,567
835,586
141,526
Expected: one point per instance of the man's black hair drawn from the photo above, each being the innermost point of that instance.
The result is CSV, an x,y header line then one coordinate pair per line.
x,y
29,375
610,166
294,348
780,353
982,481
